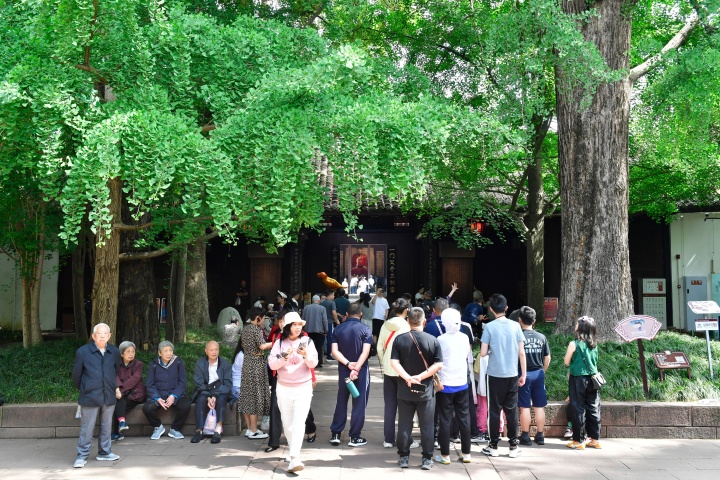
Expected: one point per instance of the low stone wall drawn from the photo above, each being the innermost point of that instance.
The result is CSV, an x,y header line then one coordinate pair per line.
x,y
619,420
644,420
57,420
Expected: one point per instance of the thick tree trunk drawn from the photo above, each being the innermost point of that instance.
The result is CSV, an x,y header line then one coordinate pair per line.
x,y
136,320
197,309
593,148
107,274
78,289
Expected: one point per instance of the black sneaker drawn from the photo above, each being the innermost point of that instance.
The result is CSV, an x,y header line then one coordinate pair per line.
x,y
357,442
335,439
197,437
427,464
482,438
115,437
525,440
404,462
540,438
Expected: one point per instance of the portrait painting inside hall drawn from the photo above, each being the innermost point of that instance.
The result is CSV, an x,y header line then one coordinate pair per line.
x,y
364,263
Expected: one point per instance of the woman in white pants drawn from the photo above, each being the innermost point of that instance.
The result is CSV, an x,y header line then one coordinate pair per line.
x,y
293,356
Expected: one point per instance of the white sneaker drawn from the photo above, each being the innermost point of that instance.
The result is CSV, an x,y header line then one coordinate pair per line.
x,y
157,433
295,465
387,445
110,457
248,432
175,434
259,435
491,451
414,444
515,452
79,463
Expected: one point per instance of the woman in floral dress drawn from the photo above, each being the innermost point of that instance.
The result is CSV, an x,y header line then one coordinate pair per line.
x,y
254,389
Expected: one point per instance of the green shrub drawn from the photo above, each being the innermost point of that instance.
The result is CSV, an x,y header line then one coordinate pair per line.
x,y
41,374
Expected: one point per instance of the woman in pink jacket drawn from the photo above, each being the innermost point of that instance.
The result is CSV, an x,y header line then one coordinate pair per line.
x,y
294,358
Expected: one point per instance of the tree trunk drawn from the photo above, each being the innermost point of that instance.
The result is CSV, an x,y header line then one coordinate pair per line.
x,y
31,282
107,253
176,331
136,319
78,289
197,308
593,148
535,221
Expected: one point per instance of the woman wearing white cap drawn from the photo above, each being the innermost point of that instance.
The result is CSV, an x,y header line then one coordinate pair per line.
x,y
294,358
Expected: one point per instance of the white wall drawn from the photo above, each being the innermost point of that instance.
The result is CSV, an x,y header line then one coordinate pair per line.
x,y
11,294
697,241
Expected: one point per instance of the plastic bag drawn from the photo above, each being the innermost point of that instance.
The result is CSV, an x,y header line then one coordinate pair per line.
x,y
265,424
210,422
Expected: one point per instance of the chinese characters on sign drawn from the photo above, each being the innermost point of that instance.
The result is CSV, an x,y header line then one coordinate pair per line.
x,y
392,265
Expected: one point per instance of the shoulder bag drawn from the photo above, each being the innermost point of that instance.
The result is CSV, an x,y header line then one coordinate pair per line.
x,y
437,384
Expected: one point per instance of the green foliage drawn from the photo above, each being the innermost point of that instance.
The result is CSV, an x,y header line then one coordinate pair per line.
x,y
620,365
41,374
675,124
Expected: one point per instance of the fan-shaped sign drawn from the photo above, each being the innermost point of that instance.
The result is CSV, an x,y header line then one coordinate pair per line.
x,y
638,327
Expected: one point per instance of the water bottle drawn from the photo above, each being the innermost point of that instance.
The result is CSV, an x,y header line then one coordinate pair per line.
x,y
351,387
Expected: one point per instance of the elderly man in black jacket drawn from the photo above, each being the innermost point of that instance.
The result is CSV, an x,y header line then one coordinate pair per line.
x,y
94,371
213,382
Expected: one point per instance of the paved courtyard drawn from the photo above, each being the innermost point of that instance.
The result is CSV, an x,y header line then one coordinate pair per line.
x,y
238,457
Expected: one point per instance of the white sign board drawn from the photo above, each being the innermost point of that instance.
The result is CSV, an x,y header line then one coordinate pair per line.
x,y
704,308
705,324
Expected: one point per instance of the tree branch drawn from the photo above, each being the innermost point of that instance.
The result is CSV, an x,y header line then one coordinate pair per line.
x,y
677,41
123,227
126,257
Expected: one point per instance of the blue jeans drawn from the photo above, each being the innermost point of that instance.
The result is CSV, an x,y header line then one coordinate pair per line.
x,y
88,418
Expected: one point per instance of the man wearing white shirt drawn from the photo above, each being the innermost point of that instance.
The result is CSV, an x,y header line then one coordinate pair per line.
x,y
380,314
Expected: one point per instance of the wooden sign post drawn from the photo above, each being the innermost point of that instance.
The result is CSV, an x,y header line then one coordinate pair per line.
x,y
639,327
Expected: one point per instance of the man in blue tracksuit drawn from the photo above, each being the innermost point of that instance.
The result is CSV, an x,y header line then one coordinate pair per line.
x,y
351,348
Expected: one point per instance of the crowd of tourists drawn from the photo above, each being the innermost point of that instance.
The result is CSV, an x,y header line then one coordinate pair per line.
x,y
430,378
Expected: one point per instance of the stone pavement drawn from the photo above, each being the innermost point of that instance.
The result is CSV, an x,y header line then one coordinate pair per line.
x,y
238,457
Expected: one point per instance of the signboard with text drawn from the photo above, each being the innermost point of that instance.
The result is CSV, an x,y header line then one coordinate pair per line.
x,y
551,309
706,324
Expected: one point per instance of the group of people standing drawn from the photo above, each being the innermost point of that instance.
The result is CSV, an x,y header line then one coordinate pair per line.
x,y
275,375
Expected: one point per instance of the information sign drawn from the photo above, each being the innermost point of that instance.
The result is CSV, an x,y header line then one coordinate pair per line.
x,y
551,309
668,360
705,324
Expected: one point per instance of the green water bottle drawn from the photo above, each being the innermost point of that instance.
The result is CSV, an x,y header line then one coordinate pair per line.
x,y
351,387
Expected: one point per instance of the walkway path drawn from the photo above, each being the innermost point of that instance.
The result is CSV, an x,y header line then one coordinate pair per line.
x,y
238,457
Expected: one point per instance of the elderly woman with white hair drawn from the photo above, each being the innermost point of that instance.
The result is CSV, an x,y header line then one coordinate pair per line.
x,y
294,358
130,390
166,382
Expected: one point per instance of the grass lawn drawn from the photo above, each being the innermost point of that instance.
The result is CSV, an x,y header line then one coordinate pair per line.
x,y
42,374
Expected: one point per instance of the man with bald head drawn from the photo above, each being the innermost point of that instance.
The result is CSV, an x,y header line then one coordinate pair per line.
x,y
94,371
213,383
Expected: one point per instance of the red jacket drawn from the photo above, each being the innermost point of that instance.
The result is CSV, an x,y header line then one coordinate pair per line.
x,y
129,380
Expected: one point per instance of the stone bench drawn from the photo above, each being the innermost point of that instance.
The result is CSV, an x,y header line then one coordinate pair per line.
x,y
57,420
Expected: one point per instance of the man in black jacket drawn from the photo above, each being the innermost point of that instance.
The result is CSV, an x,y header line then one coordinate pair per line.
x,y
213,382
94,371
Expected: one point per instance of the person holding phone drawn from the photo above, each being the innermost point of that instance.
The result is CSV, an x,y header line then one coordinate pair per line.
x,y
294,357
416,357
